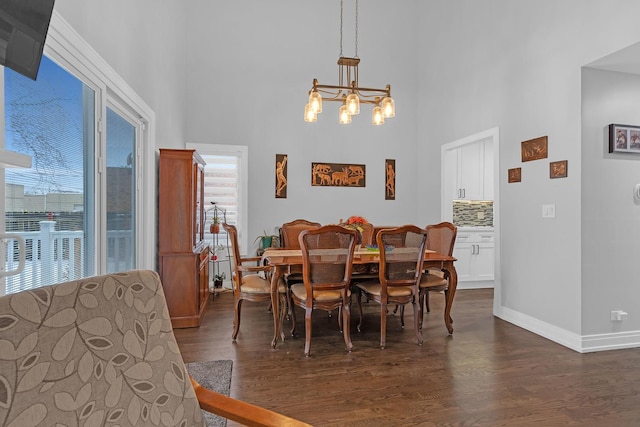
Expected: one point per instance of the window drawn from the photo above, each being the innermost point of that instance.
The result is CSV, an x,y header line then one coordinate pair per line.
x,y
79,206
225,184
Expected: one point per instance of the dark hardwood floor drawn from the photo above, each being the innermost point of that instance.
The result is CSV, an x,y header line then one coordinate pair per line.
x,y
488,373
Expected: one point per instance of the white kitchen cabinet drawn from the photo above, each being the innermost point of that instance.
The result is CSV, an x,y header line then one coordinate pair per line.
x,y
475,253
469,173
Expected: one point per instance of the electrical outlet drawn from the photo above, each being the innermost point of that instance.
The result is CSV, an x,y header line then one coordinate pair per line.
x,y
619,315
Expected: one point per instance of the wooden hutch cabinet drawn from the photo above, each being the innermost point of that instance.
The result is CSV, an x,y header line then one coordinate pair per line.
x,y
183,255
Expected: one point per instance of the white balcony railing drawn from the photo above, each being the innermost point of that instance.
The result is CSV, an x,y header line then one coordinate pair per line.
x,y
57,256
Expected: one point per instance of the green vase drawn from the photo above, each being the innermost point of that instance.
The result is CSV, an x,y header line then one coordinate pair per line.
x,y
266,242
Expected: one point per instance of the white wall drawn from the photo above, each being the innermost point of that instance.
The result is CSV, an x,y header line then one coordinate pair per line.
x,y
517,65
143,41
611,216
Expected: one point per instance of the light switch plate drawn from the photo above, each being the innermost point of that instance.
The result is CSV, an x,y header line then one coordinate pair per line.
x,y
548,211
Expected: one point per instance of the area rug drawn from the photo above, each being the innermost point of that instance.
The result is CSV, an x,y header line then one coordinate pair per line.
x,y
214,375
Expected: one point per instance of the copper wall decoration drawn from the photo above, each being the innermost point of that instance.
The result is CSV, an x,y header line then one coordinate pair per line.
x,y
390,180
515,175
337,174
558,169
281,176
534,149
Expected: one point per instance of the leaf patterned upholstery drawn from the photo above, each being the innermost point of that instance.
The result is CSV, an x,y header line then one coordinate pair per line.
x,y
93,352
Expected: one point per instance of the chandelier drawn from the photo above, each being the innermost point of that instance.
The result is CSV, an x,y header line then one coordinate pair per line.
x,y
348,92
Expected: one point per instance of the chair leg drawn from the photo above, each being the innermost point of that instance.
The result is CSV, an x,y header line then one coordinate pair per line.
x,y
402,316
283,313
346,316
292,313
383,325
421,298
307,329
417,309
236,320
359,327
426,301
446,297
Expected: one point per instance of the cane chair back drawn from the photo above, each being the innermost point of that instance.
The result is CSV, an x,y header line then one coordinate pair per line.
x,y
291,230
440,238
327,254
289,239
399,275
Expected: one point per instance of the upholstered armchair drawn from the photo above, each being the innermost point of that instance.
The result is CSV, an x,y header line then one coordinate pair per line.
x,y
101,351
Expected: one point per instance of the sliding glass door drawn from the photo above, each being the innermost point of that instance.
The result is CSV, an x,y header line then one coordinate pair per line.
x,y
51,204
121,192
76,206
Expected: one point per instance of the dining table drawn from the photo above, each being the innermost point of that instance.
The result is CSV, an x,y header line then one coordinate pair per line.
x,y
282,259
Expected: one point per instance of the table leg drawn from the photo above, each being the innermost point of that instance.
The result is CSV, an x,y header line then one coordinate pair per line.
x,y
275,303
451,293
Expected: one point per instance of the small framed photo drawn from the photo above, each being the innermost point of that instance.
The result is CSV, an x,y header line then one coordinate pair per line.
x,y
558,169
624,139
515,175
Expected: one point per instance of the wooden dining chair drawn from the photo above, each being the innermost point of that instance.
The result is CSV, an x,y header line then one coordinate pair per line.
x,y
440,238
327,255
399,275
247,283
289,239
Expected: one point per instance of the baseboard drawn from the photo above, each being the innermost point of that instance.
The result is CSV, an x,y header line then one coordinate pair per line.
x,y
473,284
538,327
579,343
611,341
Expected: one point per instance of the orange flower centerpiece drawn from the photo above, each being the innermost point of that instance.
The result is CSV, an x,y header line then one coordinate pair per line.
x,y
355,223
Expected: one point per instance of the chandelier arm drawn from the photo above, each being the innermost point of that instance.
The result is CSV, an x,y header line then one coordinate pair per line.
x,y
359,90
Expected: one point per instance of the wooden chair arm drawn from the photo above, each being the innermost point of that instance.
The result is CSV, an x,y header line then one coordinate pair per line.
x,y
239,411
249,259
253,269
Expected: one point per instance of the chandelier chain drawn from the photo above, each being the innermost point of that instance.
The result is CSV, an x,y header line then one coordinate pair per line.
x,y
341,13
356,28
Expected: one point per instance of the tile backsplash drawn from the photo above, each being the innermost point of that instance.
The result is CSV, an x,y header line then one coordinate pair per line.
x,y
476,213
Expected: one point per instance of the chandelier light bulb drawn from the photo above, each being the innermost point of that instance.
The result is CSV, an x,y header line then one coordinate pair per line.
x,y
345,117
309,115
315,101
377,116
353,104
388,107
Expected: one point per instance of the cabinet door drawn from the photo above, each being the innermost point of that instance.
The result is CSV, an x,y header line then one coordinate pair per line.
x,y
471,171
462,251
482,261
475,253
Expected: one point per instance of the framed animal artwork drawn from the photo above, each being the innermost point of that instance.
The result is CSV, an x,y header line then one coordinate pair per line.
x,y
338,175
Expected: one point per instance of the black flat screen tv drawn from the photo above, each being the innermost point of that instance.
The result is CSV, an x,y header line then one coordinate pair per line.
x,y
23,30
